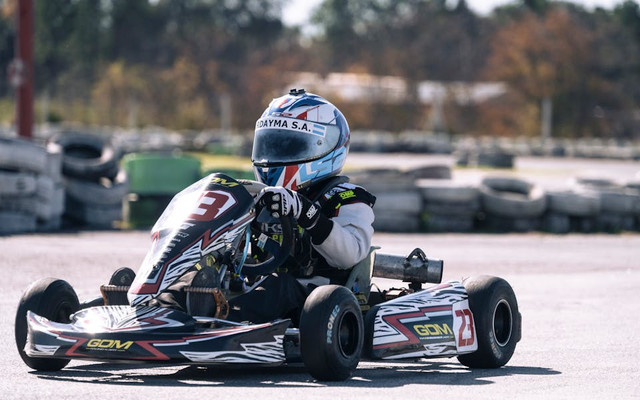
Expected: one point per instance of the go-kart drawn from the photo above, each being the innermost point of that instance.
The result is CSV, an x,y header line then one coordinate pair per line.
x,y
211,227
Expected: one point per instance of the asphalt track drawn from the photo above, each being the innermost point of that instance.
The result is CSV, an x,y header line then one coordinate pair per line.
x,y
578,296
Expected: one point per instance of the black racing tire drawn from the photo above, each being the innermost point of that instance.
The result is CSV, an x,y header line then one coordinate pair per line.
x,y
396,222
440,191
400,202
105,193
22,155
122,277
53,299
574,203
331,333
87,156
497,320
512,197
15,184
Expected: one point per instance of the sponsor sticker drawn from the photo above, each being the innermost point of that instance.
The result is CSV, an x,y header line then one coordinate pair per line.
x,y
464,327
331,323
213,203
108,345
347,194
291,124
439,331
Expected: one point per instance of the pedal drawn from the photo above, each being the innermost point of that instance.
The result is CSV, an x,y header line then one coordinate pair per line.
x,y
394,293
207,301
363,302
203,296
114,295
115,292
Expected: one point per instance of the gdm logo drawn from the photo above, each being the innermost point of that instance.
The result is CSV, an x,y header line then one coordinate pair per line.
x,y
108,344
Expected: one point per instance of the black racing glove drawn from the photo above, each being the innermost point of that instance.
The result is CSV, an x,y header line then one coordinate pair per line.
x,y
280,201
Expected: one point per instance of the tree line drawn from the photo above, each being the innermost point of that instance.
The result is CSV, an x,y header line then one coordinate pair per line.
x,y
202,64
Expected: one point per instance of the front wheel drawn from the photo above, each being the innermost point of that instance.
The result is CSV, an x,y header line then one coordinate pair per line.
x,y
331,333
497,321
53,299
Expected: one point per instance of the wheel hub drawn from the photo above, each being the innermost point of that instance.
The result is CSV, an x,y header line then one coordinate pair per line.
x,y
502,322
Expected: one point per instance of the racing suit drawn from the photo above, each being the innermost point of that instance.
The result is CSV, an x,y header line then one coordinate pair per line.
x,y
326,255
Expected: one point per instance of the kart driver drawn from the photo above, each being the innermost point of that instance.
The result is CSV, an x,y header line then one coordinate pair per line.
x,y
300,146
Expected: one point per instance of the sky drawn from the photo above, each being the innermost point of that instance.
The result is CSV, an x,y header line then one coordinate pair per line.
x,y
297,11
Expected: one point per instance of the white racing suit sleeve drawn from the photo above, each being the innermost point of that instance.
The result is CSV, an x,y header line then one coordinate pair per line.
x,y
350,238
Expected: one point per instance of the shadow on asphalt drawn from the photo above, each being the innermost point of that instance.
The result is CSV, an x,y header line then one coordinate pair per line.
x,y
368,374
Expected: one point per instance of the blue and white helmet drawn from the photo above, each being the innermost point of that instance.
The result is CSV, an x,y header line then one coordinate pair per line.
x,y
300,139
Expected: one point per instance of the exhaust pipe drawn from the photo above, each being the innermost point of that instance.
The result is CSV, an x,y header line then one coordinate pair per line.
x,y
415,268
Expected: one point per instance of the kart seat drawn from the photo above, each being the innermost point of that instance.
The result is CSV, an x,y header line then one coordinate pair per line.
x,y
359,280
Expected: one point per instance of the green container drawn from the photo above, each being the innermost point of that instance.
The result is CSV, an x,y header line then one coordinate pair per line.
x,y
160,174
232,172
141,212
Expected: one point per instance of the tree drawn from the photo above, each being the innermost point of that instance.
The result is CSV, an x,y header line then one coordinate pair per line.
x,y
7,41
546,57
52,20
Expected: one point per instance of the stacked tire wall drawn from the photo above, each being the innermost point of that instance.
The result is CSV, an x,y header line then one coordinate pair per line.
x,y
94,183
397,195
32,194
423,202
449,206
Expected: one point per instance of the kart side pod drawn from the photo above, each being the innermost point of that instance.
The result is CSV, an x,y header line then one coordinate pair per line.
x,y
435,322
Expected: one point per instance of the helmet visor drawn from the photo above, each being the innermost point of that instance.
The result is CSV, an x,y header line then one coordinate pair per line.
x,y
280,140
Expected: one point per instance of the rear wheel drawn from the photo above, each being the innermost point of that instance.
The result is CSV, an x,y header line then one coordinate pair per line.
x,y
53,299
497,321
331,333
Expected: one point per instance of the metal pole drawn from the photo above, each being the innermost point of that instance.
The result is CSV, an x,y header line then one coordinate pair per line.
x,y
547,115
24,57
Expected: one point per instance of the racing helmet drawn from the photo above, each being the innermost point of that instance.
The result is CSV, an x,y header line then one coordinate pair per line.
x,y
300,139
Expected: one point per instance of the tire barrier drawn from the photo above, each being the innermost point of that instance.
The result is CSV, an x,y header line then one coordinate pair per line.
x,y
431,172
512,197
619,203
103,193
398,211
22,155
403,214
511,204
448,206
93,182
12,222
398,223
73,175
499,204
398,202
87,156
31,191
383,180
573,203
494,158
96,204
571,210
17,183
482,150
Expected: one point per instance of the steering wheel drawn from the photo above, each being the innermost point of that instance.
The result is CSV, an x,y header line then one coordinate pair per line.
x,y
278,251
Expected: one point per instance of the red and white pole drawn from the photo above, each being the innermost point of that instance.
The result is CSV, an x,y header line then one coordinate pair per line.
x,y
21,70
